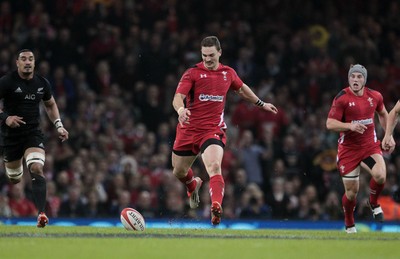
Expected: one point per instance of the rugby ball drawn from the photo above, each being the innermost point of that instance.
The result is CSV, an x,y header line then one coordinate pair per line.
x,y
131,219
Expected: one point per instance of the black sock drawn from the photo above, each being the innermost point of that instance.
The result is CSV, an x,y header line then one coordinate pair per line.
x,y
39,191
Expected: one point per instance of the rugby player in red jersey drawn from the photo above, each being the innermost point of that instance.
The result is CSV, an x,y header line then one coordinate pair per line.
x,y
199,101
352,114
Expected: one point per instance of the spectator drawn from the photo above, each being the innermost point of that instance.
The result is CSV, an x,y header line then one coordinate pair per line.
x,y
20,206
73,206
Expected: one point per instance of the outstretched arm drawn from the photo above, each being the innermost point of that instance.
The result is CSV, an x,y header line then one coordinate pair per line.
x,y
54,116
247,94
391,122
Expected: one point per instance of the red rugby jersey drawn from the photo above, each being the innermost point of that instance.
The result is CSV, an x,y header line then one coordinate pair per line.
x,y
206,92
347,107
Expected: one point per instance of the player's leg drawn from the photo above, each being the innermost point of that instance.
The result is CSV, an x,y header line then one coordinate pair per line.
x,y
184,154
34,158
375,165
14,171
349,199
212,159
181,163
12,156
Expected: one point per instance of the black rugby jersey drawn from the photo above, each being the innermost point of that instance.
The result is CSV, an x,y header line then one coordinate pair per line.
x,y
22,98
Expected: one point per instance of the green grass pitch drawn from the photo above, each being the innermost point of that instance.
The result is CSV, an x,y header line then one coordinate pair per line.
x,y
114,242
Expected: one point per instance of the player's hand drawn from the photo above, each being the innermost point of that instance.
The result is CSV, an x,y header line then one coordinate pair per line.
x,y
270,107
388,144
14,121
184,115
62,134
358,127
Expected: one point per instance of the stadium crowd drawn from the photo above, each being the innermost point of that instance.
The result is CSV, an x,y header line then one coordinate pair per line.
x,y
115,65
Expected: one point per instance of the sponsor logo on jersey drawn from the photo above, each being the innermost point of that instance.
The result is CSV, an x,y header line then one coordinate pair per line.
x,y
203,75
364,122
18,90
352,104
212,98
30,97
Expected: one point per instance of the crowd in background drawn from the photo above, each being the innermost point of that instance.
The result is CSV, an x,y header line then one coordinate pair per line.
x,y
114,66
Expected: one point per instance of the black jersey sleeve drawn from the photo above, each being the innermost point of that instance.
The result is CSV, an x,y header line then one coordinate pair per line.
x,y
47,89
4,85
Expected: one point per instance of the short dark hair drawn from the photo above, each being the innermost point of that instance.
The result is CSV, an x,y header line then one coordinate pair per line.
x,y
23,50
211,41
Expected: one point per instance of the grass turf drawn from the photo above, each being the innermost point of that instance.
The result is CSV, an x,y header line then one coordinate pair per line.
x,y
92,242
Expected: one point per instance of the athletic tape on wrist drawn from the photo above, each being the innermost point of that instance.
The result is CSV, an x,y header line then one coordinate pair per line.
x,y
180,110
58,123
260,103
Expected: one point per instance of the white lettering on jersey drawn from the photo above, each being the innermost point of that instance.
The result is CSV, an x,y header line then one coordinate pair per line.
x,y
212,98
203,75
30,97
364,122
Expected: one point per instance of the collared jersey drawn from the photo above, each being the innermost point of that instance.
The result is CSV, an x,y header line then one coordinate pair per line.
x,y
22,98
206,92
349,108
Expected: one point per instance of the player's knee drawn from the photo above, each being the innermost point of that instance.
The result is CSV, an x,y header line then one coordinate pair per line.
x,y
380,177
351,195
35,162
14,175
214,168
379,173
36,168
179,172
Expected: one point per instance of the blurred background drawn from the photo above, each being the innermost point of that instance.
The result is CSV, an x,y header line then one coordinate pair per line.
x,y
114,66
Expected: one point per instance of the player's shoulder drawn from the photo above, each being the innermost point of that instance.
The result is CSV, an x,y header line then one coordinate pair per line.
x,y
9,76
41,79
373,92
193,69
342,94
225,67
8,79
196,71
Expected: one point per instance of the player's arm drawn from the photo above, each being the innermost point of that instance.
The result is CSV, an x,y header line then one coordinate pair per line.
x,y
247,94
392,119
383,117
388,142
339,126
12,121
179,106
54,115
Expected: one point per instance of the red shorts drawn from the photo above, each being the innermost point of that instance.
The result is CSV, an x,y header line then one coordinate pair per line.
x,y
190,141
348,159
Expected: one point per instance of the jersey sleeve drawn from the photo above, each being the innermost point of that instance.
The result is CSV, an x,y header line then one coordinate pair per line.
x,y
237,83
337,109
47,90
3,87
185,84
380,103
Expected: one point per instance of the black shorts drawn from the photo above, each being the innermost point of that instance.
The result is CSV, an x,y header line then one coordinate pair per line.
x,y
13,148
